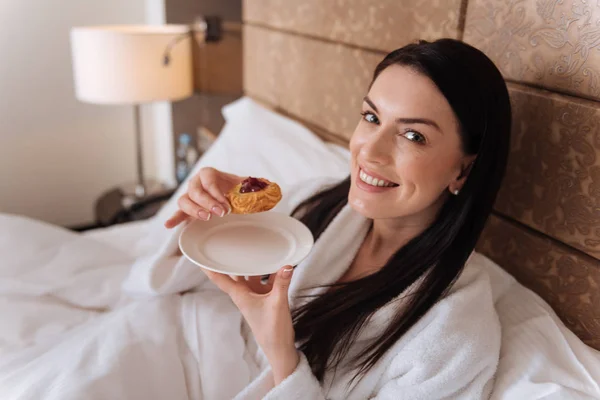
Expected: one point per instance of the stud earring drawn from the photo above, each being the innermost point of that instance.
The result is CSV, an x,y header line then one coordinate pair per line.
x,y
455,192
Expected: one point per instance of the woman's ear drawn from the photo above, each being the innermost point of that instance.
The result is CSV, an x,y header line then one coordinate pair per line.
x,y
458,183
468,162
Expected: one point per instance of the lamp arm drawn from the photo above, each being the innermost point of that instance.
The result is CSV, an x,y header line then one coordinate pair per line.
x,y
209,27
172,43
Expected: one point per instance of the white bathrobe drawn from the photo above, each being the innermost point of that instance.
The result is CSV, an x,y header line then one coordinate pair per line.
x,y
451,353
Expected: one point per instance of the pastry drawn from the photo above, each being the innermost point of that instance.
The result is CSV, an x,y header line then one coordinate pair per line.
x,y
254,195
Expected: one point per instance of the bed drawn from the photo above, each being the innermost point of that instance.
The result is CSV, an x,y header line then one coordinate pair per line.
x,y
544,230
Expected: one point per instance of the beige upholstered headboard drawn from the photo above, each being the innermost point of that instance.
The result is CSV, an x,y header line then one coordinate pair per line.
x,y
313,59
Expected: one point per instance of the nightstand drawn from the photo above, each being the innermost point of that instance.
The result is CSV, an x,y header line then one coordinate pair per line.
x,y
115,207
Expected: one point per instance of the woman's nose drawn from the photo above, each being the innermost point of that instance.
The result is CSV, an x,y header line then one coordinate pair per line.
x,y
378,148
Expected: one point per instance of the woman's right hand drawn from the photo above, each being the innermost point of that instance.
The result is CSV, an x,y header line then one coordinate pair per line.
x,y
205,196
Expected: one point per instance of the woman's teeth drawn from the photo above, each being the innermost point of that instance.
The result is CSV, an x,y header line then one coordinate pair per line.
x,y
374,181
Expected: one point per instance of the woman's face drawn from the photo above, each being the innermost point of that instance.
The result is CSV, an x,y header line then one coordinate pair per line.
x,y
406,149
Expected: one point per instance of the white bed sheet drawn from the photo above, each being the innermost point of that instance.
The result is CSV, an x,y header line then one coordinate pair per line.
x,y
124,237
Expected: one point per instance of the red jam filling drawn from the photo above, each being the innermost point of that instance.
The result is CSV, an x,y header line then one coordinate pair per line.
x,y
252,185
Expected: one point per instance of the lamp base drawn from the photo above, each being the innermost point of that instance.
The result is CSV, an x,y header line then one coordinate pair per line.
x,y
127,202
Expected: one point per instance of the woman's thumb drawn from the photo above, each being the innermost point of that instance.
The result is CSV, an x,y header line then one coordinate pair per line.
x,y
282,281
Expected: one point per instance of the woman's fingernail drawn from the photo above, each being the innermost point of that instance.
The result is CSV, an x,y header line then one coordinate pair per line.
x,y
287,272
204,215
218,211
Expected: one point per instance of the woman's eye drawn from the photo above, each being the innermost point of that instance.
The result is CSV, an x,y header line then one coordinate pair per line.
x,y
414,136
370,117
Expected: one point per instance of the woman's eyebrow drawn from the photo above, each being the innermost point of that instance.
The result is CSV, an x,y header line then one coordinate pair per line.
x,y
370,103
423,121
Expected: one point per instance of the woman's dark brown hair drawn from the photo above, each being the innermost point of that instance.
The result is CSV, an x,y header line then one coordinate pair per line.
x,y
327,325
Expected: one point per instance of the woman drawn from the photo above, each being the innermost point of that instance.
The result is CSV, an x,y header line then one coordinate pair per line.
x,y
427,159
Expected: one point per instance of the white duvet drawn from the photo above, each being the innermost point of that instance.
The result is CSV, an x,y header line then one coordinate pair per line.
x,y
86,317
68,332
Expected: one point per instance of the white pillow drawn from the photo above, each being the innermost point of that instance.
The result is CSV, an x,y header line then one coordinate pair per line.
x,y
256,141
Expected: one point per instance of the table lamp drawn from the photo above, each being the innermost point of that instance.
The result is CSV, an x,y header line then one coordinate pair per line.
x,y
133,65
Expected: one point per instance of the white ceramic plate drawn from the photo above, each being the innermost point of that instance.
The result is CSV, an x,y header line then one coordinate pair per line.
x,y
246,245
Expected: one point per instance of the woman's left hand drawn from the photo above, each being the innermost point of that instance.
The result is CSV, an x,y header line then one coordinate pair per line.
x,y
268,315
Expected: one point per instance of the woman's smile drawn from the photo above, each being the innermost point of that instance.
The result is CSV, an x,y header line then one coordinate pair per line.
x,y
373,183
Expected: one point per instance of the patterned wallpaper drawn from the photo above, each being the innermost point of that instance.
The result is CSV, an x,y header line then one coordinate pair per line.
x,y
290,80
382,25
553,177
313,60
550,43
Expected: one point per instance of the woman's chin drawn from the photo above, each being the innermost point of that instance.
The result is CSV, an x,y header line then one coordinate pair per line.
x,y
364,207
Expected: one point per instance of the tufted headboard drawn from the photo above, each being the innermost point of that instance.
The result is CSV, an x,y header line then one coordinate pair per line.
x,y
312,60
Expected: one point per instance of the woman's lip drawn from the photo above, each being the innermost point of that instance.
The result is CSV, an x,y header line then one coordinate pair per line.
x,y
374,175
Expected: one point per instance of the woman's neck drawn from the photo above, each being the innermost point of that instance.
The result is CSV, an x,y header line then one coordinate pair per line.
x,y
387,236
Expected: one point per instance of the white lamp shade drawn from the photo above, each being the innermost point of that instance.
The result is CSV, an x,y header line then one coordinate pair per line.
x,y
124,64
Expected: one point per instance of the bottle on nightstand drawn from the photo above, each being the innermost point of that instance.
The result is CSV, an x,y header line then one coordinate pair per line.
x,y
187,156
